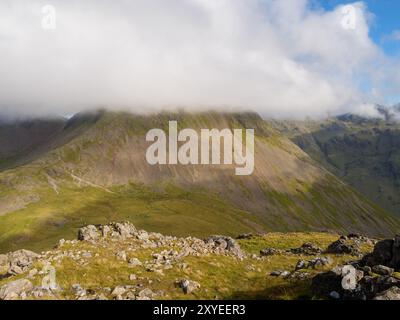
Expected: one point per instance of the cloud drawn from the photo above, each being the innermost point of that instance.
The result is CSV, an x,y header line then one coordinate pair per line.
x,y
394,36
279,58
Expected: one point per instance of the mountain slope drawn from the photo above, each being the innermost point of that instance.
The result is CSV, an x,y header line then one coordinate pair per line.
x,y
99,173
363,152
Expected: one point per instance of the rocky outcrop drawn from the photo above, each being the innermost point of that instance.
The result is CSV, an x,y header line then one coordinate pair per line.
x,y
225,244
17,262
307,249
342,246
372,277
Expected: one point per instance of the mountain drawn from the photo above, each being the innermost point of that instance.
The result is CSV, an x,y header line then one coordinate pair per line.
x,y
93,170
364,152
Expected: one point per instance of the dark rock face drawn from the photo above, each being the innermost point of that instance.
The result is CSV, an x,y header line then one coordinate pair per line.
x,y
386,253
325,283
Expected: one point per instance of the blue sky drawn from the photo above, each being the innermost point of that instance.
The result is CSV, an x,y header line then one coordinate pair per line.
x,y
386,20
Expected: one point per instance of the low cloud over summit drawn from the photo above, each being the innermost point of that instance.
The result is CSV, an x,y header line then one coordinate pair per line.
x,y
280,58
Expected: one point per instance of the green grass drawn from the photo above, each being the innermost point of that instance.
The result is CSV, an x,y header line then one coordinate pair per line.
x,y
171,211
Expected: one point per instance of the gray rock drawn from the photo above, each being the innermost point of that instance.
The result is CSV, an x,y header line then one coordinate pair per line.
x,y
307,249
188,286
118,291
225,243
280,273
269,252
391,294
13,290
20,261
121,255
145,294
78,290
343,246
132,277
382,270
125,229
88,233
335,295
314,263
133,262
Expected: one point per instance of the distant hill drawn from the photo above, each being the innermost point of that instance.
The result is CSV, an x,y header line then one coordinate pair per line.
x,y
364,152
93,170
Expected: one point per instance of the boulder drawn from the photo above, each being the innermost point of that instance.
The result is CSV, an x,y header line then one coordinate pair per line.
x,y
20,261
325,283
395,260
119,290
381,255
88,233
269,252
14,290
125,229
145,294
392,293
280,273
225,243
133,262
342,246
314,263
188,286
382,270
307,249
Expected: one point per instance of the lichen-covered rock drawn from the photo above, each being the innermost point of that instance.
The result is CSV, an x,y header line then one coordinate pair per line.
x,y
88,233
15,289
20,261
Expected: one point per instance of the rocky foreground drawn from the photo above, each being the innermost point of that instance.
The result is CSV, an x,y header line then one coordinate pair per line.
x,y
117,261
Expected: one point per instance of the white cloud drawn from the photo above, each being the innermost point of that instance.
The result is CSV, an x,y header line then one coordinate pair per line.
x,y
394,36
276,57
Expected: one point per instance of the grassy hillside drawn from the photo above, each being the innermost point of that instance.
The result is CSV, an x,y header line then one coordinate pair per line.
x,y
171,210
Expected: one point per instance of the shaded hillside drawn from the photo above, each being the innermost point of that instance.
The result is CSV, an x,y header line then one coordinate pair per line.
x,y
364,152
22,141
100,173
